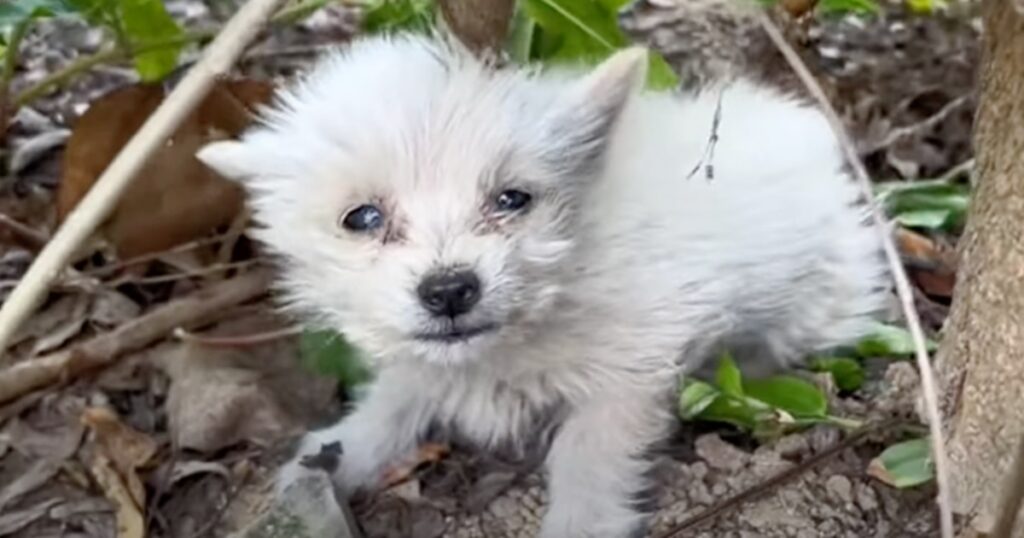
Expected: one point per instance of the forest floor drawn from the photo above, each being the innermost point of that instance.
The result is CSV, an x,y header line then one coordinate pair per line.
x,y
197,428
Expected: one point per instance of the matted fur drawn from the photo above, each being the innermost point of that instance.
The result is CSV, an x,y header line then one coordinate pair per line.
x,y
624,272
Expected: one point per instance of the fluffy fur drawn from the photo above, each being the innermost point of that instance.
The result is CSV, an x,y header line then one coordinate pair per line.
x,y
624,272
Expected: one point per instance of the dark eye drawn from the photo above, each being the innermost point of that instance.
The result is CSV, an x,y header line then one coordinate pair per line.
x,y
512,200
363,219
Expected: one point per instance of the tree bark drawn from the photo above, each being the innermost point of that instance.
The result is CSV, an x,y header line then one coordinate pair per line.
x,y
481,25
981,362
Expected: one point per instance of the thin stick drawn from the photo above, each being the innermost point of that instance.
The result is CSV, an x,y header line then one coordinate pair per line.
x,y
757,490
903,288
243,340
36,238
105,193
194,310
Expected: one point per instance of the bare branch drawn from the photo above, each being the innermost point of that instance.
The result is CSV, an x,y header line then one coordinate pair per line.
x,y
201,307
903,288
104,195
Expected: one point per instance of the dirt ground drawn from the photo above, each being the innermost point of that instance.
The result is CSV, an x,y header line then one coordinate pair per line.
x,y
196,428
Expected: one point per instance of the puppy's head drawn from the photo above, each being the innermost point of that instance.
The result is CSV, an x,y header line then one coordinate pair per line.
x,y
425,204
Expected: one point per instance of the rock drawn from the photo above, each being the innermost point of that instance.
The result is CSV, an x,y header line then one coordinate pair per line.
x,y
720,455
839,487
306,509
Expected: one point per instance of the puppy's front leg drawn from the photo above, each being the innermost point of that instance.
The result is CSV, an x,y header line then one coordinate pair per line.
x,y
384,426
596,465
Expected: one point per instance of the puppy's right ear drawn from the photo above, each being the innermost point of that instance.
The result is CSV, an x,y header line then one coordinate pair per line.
x,y
229,158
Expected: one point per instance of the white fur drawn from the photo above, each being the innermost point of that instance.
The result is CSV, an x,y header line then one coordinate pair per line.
x,y
625,272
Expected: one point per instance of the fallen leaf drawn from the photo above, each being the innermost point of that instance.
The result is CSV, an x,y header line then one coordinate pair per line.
x,y
56,324
184,469
126,448
931,266
33,149
130,522
174,198
424,454
111,308
36,474
16,520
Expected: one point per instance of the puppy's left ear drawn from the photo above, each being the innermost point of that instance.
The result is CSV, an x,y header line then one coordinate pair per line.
x,y
588,112
229,158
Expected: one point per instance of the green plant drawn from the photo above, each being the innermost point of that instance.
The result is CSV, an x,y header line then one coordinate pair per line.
x,y
905,464
329,354
932,205
766,407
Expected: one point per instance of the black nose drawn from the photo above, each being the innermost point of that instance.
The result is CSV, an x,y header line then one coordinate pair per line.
x,y
449,293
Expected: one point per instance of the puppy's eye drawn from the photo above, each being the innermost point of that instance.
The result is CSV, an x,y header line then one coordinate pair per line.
x,y
363,219
512,200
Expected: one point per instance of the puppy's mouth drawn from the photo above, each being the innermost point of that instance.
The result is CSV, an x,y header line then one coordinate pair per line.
x,y
451,335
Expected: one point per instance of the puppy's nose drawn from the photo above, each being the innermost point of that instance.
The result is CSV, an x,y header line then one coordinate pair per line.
x,y
449,293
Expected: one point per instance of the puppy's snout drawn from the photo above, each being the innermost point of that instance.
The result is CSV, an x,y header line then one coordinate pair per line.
x,y
449,293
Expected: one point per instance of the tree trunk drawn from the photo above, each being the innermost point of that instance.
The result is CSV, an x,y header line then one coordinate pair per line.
x,y
981,363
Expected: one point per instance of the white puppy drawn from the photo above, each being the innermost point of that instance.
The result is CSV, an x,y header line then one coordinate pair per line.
x,y
517,250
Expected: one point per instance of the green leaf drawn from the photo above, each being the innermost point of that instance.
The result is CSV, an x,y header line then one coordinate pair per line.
x,y
790,394
847,373
924,7
843,7
731,410
935,204
695,397
728,376
905,464
889,341
146,22
394,15
586,31
329,354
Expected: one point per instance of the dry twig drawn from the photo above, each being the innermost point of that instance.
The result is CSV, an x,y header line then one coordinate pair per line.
x,y
903,288
199,308
104,195
777,480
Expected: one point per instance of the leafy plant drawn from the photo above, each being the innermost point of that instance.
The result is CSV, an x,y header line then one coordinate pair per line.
x,y
905,464
393,15
847,373
766,407
890,341
329,354
933,205
573,31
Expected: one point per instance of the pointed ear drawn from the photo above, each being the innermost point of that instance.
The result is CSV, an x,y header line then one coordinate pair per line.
x,y
229,158
585,119
611,83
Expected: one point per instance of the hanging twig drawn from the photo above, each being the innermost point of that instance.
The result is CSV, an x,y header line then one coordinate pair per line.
x,y
105,193
903,288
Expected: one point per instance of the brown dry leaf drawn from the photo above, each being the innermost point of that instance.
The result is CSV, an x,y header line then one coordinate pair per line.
x,y
130,521
931,266
425,453
124,448
175,198
55,325
798,8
